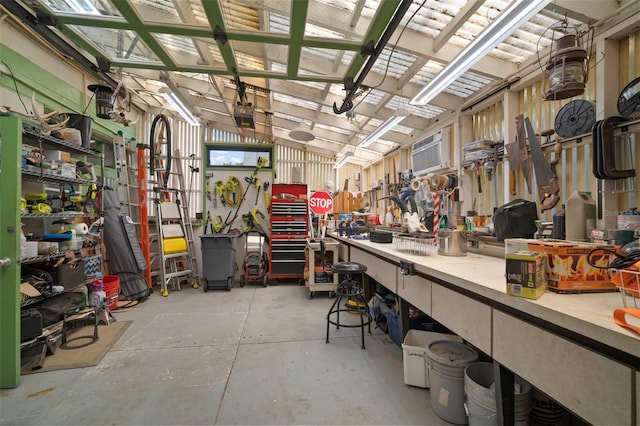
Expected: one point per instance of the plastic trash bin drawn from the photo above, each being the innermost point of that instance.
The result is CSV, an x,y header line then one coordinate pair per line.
x,y
218,260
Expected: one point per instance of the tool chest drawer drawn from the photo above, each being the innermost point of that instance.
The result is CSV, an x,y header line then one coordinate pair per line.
x,y
288,267
289,209
293,227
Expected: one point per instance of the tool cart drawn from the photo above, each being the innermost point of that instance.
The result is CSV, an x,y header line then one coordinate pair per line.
x,y
321,255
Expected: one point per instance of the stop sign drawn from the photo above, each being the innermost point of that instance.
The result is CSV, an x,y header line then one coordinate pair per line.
x,y
320,202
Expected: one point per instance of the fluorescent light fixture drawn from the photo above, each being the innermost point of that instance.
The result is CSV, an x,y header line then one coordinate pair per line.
x,y
181,108
343,160
383,128
512,18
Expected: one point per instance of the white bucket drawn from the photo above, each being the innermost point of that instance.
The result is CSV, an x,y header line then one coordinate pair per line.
x,y
447,361
481,399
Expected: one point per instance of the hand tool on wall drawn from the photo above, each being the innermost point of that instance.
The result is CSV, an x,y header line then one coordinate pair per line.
x,y
214,201
513,153
207,222
267,197
258,186
547,183
524,154
218,225
220,188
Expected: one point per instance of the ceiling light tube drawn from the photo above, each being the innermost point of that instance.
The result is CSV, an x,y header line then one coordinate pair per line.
x,y
181,108
343,160
512,18
383,128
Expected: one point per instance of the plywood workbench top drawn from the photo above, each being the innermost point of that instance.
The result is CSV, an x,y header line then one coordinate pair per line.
x,y
590,315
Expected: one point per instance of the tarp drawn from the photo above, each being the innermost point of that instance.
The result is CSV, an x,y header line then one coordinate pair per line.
x,y
123,247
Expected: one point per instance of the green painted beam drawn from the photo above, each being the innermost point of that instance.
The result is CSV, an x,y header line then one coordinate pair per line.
x,y
296,32
130,15
216,19
378,26
10,176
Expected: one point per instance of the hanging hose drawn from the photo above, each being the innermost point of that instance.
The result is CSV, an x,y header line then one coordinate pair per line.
x,y
233,194
167,132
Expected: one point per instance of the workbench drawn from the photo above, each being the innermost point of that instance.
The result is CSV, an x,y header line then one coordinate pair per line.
x,y
566,345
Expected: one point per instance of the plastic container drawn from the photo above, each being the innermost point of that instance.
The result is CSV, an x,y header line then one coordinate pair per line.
x,y
84,124
581,208
395,331
414,351
447,361
481,398
111,284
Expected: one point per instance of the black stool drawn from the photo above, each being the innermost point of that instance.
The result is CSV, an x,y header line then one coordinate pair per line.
x,y
348,290
76,317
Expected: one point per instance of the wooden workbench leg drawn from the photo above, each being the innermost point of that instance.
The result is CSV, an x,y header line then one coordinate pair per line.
x,y
504,381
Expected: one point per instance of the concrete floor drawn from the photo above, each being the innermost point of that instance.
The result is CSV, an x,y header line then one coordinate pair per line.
x,y
253,355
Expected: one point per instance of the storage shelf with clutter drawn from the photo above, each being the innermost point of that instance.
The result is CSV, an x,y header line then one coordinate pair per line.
x,y
238,179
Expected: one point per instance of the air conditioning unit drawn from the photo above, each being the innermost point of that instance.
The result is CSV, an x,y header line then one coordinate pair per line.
x,y
432,153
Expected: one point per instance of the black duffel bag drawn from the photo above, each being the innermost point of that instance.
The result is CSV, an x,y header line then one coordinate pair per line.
x,y
516,219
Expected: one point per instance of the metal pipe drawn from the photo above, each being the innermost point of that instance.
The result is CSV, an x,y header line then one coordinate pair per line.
x,y
347,103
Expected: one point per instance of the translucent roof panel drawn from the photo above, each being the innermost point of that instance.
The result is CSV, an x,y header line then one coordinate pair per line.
x,y
322,62
334,20
393,63
333,129
169,12
295,101
117,44
248,15
82,7
259,53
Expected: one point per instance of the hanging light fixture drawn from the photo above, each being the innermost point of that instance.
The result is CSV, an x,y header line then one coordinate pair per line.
x,y
566,70
343,160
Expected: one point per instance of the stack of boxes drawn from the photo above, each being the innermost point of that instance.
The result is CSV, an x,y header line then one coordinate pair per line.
x,y
567,266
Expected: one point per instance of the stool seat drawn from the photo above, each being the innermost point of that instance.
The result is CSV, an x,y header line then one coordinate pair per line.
x,y
349,268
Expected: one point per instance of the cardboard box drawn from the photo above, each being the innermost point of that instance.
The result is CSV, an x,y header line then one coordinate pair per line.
x,y
527,268
567,268
526,292
526,273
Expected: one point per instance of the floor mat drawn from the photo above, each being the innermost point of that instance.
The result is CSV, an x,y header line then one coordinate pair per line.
x,y
87,356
